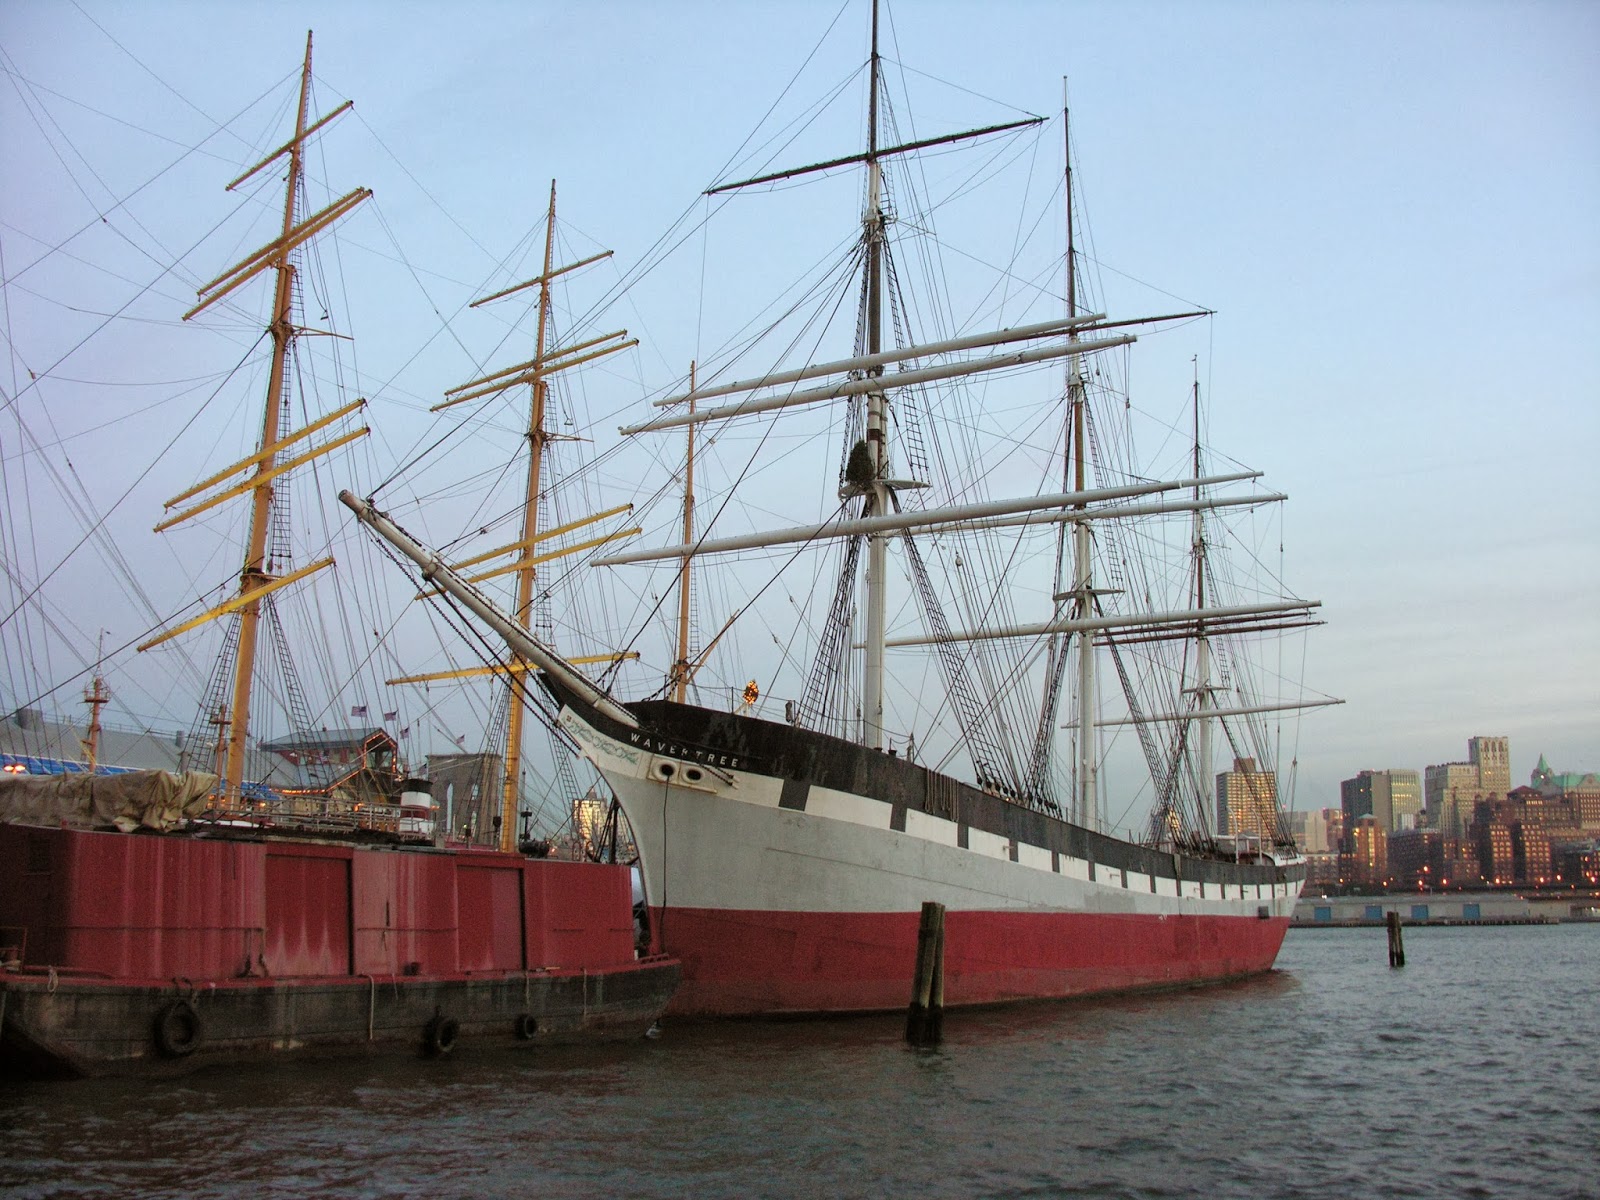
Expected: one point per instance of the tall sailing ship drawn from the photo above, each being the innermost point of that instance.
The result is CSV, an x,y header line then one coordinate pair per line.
x,y
785,860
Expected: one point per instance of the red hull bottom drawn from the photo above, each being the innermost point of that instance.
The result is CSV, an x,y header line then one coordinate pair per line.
x,y
752,963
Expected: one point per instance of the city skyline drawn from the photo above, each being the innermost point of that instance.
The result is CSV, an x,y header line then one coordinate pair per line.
x,y
1357,210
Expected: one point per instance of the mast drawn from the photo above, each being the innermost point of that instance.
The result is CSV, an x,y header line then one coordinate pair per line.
x,y
680,668
255,574
1082,583
536,373
523,613
1202,654
877,425
96,696
257,578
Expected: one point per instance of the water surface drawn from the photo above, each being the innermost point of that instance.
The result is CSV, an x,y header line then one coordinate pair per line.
x,y
1469,1073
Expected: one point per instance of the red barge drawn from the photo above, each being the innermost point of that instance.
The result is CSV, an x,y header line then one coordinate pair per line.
x,y
160,952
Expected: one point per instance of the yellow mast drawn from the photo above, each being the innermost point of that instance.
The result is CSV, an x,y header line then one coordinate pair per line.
x,y
256,580
523,612
95,696
254,574
536,373
680,668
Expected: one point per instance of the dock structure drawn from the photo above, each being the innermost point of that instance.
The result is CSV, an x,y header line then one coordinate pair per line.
x,y
1445,908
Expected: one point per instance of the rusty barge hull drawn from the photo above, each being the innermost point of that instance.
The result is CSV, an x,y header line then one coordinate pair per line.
x,y
146,953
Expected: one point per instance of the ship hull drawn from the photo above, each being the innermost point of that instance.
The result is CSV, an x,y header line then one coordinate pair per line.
x,y
156,954
749,963
787,870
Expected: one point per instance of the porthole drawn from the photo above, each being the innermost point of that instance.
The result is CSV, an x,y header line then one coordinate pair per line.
x,y
692,774
665,770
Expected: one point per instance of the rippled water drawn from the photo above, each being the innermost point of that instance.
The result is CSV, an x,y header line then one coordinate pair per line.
x,y
1469,1073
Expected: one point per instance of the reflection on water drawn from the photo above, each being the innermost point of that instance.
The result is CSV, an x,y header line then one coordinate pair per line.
x,y
1330,1076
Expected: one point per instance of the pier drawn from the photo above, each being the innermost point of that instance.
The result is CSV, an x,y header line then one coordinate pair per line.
x,y
1444,909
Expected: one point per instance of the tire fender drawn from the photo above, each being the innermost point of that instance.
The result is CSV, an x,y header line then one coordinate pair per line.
x,y
178,1029
441,1033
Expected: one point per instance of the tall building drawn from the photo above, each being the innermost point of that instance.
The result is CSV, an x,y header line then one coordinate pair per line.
x,y
1405,799
1367,863
1247,801
1452,789
1393,797
1491,837
1492,757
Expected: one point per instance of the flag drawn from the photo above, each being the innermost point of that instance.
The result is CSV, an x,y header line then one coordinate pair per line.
x,y
462,741
358,710
405,733
392,716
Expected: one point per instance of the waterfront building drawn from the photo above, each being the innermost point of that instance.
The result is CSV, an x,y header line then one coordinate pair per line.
x,y
1405,799
1583,788
1394,797
1452,908
1489,835
1318,833
1247,801
1516,834
1460,863
1323,871
1416,858
1317,830
1578,863
1531,853
1588,801
336,773
1367,863
35,742
1492,757
1452,789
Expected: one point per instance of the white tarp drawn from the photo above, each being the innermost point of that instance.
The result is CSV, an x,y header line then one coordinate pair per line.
x,y
158,800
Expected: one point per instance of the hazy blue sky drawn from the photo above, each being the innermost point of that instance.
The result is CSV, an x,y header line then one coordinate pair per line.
x,y
1392,207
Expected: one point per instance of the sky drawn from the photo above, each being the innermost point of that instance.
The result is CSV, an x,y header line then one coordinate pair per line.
x,y
1390,207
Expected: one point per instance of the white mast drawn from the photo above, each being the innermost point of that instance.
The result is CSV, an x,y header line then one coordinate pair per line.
x,y
1082,582
877,427
1202,654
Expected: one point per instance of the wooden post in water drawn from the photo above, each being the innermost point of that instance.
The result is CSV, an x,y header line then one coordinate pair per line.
x,y
1397,947
925,1017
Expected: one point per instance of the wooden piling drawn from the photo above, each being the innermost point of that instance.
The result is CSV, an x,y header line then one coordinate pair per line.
x,y
1397,947
925,1016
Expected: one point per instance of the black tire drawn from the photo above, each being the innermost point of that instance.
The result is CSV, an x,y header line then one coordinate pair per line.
x,y
179,1030
441,1034
526,1026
